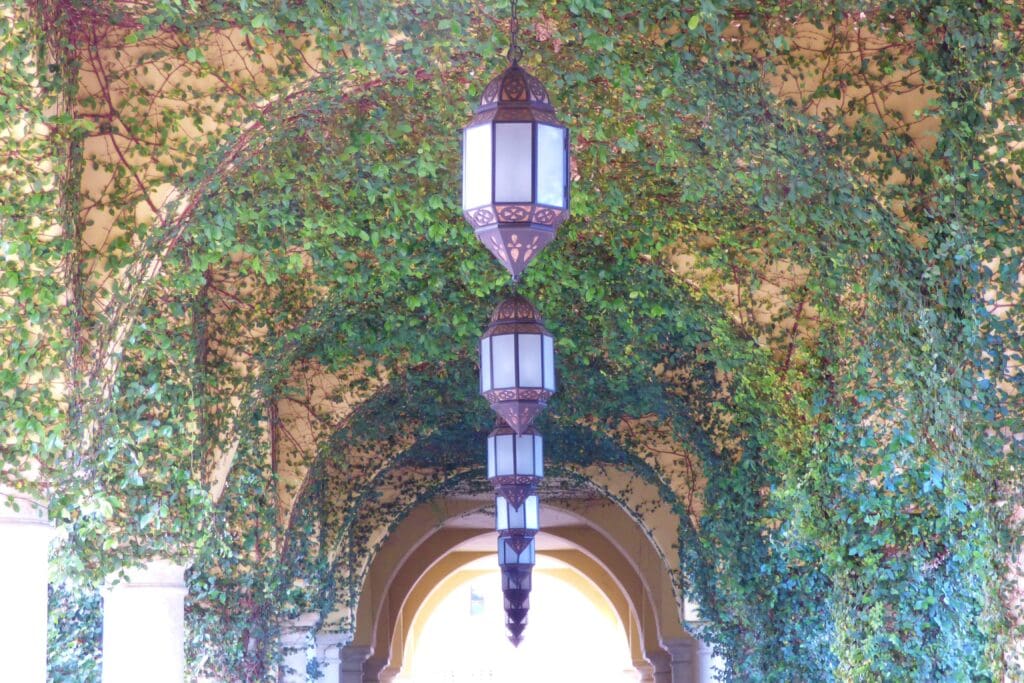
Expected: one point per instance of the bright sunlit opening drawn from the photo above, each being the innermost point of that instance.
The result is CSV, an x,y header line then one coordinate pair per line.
x,y
573,633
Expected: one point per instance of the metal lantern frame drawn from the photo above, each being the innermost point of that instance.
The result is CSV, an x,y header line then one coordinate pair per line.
x,y
516,557
513,518
515,462
517,363
516,172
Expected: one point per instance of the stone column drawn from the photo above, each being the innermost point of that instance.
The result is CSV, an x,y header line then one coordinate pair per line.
x,y
352,658
682,654
328,654
144,624
296,640
24,543
389,674
708,667
644,671
661,663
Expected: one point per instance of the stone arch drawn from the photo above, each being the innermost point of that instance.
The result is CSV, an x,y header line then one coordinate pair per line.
x,y
417,555
372,516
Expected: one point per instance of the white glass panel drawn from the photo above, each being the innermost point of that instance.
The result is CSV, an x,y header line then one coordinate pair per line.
x,y
490,457
524,454
517,517
551,166
485,365
502,516
504,360
549,363
538,455
532,509
529,360
513,162
476,167
506,455
529,555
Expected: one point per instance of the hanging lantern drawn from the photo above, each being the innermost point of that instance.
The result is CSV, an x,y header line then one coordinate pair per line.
x,y
516,557
515,463
517,363
515,166
521,518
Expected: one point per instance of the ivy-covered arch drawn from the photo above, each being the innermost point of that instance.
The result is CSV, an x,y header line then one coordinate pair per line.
x,y
864,453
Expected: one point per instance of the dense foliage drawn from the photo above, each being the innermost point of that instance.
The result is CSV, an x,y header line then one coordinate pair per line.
x,y
794,243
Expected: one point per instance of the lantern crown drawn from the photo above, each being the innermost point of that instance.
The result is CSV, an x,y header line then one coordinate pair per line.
x,y
515,310
515,87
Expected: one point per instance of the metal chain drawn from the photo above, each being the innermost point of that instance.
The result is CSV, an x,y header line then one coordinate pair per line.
x,y
514,51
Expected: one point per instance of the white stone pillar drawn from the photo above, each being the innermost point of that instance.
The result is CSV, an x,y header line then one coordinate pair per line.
x,y
682,654
24,544
328,654
708,668
352,658
296,640
144,624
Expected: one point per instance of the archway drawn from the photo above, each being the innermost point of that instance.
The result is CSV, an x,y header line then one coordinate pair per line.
x,y
591,536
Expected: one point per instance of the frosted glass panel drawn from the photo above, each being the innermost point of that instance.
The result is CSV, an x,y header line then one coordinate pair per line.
x,y
502,516
485,364
551,166
524,454
504,360
549,363
538,445
529,360
532,509
476,167
490,457
513,168
529,555
506,455
517,517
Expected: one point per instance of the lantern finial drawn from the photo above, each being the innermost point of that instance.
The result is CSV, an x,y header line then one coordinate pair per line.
x,y
516,556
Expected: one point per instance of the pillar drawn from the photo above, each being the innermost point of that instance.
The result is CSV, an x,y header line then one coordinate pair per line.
x,y
661,663
682,656
24,541
296,639
389,674
328,655
644,671
144,624
708,667
352,658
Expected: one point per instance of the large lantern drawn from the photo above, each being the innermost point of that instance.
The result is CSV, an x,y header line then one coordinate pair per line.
x,y
515,169
515,462
517,363
516,556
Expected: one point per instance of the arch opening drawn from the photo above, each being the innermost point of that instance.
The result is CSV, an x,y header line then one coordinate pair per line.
x,y
575,632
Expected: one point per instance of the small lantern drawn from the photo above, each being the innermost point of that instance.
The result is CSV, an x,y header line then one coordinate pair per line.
x,y
515,169
517,363
518,518
516,556
515,463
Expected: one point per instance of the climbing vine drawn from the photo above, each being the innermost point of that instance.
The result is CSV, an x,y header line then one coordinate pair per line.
x,y
235,284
